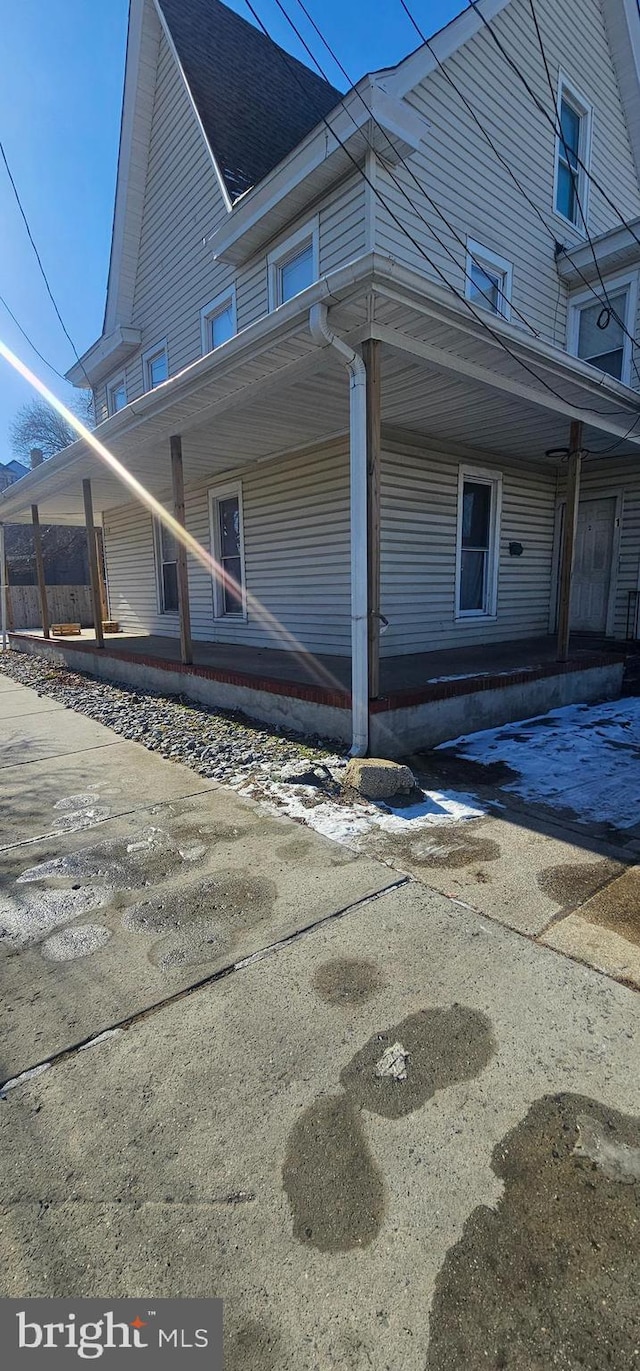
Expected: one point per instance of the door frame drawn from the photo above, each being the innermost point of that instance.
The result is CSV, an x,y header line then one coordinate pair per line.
x,y
558,526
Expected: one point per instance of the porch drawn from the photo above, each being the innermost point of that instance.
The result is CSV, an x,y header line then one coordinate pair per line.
x,y
425,698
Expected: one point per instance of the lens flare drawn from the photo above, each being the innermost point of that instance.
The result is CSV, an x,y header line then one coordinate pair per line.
x,y
307,659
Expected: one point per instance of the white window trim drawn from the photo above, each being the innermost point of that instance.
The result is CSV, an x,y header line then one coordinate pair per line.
x,y
157,550
278,255
215,494
494,479
148,357
112,386
217,306
585,110
478,253
577,302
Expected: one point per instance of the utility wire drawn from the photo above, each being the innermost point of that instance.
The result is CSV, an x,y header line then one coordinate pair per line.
x,y
504,161
39,261
32,345
609,413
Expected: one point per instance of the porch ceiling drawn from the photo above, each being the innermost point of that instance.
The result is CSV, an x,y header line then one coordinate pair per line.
x,y
271,391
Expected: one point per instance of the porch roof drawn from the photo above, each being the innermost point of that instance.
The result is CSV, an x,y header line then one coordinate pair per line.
x,y
446,378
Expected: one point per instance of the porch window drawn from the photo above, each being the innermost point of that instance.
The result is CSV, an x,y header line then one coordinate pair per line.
x,y
573,144
155,365
597,328
479,501
116,395
293,265
167,568
218,321
227,541
488,279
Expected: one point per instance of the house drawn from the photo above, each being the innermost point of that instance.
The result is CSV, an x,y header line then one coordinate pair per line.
x,y
10,472
377,353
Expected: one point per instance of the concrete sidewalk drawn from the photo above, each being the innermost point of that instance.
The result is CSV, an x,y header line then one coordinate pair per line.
x,y
236,1137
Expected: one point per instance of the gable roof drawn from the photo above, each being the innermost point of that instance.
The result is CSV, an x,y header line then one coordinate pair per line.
x,y
255,102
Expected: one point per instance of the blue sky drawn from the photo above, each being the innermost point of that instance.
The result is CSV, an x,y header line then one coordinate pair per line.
x,y
60,100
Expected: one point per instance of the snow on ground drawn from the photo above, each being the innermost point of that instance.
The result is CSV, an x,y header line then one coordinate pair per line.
x,y
347,823
584,757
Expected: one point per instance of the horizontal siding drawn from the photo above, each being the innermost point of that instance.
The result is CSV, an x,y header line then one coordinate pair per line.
x,y
613,479
296,536
418,550
466,181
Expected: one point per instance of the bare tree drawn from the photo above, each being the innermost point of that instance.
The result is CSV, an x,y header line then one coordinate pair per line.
x,y
37,424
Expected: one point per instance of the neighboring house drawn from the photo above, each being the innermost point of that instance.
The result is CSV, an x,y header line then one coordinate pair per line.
x,y
428,243
10,472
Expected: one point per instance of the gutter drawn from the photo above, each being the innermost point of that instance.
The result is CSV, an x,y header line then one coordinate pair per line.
x,y
323,335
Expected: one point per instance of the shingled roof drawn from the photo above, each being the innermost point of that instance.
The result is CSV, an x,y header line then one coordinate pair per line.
x,y
256,102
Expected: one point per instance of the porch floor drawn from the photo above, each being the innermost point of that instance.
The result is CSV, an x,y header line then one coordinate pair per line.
x,y
403,679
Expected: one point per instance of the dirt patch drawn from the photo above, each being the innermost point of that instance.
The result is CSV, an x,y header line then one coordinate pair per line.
x,y
199,921
444,1046
333,1185
458,847
348,981
572,884
551,1276
254,1346
295,850
617,907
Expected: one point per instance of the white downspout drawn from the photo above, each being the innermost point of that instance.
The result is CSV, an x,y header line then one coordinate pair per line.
x,y
3,590
321,333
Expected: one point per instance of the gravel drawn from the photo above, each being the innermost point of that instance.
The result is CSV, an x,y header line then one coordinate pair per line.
x,y
216,743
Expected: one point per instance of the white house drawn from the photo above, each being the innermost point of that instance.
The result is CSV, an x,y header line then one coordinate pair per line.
x,y
385,344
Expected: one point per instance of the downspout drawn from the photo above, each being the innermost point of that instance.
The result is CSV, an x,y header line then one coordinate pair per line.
x,y
322,334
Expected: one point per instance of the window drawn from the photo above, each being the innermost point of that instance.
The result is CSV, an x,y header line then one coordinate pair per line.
x,y
155,366
218,321
227,542
293,265
489,279
479,504
116,395
596,332
167,568
573,147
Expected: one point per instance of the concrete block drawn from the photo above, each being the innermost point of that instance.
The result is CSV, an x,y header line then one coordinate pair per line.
x,y
378,779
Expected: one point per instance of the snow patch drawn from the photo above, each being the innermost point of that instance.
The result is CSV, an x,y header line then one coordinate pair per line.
x,y
347,824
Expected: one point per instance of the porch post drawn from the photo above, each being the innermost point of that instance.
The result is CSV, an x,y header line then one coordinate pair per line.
x,y
104,604
42,587
177,476
93,563
3,590
569,538
371,356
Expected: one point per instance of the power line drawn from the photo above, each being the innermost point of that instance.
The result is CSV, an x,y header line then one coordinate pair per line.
x,y
504,161
32,345
39,261
434,266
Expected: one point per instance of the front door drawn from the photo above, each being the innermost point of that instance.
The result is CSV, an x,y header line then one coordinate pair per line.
x,y
592,565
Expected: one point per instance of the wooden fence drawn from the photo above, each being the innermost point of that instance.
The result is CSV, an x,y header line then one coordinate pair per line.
x,y
67,604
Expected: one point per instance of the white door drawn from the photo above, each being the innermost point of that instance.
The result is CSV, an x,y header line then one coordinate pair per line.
x,y
592,565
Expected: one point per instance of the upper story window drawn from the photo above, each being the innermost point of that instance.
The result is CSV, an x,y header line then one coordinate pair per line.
x,y
478,542
116,395
155,365
488,280
293,265
573,149
599,331
218,320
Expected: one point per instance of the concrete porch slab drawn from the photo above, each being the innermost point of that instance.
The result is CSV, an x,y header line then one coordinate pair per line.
x,y
98,925
209,1150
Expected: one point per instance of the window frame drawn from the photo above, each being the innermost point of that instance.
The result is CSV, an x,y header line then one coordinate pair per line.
x,y
578,300
218,305
584,109
478,254
147,358
112,386
160,562
480,476
232,490
287,250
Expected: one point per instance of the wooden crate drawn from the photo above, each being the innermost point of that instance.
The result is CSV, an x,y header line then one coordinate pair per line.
x,y
110,626
65,630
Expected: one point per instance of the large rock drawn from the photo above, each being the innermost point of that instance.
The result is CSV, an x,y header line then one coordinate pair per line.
x,y
378,779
